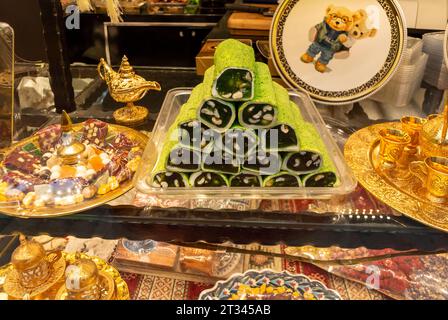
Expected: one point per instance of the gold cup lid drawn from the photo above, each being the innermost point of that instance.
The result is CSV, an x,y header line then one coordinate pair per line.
x,y
81,275
70,150
27,255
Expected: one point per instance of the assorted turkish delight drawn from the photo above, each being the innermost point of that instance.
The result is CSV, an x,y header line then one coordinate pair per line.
x,y
95,132
36,176
49,137
21,160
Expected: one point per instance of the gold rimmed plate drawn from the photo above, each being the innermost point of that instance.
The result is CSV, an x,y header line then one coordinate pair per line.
x,y
397,188
340,51
13,209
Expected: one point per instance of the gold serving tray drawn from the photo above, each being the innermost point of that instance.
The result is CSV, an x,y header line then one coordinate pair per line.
x,y
121,291
401,191
57,211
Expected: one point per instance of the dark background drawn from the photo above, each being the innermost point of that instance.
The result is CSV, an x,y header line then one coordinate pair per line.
x,y
24,17
149,46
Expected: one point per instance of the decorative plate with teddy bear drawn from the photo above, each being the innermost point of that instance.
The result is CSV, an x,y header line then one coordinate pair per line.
x,y
338,51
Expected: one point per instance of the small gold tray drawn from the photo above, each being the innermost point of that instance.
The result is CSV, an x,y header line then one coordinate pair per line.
x,y
56,211
121,291
401,191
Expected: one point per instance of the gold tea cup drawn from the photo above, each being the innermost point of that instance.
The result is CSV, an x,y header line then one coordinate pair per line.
x,y
433,172
413,126
392,144
81,280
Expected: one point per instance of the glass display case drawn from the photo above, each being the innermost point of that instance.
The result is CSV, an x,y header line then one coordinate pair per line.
x,y
7,80
125,232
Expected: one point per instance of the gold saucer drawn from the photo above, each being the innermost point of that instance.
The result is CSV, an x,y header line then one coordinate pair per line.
x,y
106,284
14,289
131,115
400,191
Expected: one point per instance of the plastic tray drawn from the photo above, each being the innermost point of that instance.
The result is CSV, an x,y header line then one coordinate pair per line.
x,y
408,73
413,51
175,98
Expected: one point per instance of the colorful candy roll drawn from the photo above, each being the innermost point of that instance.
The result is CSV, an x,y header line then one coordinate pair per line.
x,y
213,112
245,180
175,157
189,131
326,176
188,110
234,71
163,178
193,134
203,179
282,179
261,112
282,137
169,179
239,141
302,162
217,114
218,160
264,163
321,179
283,99
183,159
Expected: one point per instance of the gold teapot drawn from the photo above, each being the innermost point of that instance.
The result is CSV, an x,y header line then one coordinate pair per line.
x,y
434,136
34,271
126,86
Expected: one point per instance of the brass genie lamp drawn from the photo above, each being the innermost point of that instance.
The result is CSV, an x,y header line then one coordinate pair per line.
x,y
127,87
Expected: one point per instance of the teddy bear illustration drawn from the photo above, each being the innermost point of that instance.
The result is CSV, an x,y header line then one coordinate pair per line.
x,y
362,28
331,34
